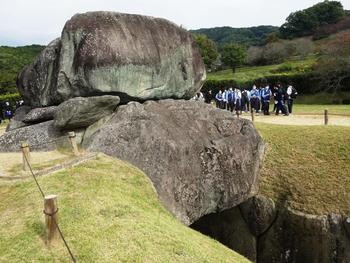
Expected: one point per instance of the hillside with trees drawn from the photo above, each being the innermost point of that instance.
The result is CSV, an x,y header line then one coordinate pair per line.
x,y
249,36
12,60
310,50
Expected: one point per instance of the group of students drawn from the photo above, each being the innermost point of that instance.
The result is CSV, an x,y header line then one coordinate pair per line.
x,y
257,99
7,109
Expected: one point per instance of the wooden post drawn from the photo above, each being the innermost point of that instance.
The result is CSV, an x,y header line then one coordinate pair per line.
x,y
51,219
325,117
73,141
252,113
25,155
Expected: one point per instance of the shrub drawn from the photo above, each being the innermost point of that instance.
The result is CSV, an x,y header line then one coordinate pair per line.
x,y
305,83
286,67
10,97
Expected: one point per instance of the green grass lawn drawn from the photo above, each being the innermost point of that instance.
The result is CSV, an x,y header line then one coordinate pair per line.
x,y
307,167
246,74
108,211
323,98
319,109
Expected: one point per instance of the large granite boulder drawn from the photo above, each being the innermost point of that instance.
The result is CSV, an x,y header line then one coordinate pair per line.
x,y
37,81
41,137
82,112
17,121
133,56
200,159
38,115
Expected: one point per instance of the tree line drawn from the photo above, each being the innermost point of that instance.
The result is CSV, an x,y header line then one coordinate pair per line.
x,y
12,61
294,39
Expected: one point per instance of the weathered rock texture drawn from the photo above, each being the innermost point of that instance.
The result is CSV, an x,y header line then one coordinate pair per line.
x,y
259,212
200,159
37,82
38,115
39,136
17,121
133,56
279,234
299,237
82,112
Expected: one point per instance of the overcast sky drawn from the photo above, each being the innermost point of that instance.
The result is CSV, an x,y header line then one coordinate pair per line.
x,y
25,22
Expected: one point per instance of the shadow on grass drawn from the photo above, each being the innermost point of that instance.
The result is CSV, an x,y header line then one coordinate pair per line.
x,y
39,229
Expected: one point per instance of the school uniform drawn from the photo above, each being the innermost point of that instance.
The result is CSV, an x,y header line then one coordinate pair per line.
x,y
254,100
231,100
238,97
245,101
291,93
280,96
266,95
219,100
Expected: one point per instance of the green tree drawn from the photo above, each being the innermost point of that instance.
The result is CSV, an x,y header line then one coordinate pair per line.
x,y
233,56
208,49
12,61
333,65
305,22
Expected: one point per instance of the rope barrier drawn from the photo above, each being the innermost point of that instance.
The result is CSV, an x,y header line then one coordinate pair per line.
x,y
52,214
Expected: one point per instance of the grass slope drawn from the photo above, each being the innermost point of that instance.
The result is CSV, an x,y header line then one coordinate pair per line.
x,y
109,212
307,167
246,74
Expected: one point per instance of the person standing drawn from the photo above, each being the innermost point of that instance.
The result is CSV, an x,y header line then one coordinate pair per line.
x,y
260,89
238,100
218,99
245,101
291,95
8,111
274,94
254,99
280,102
224,99
265,96
208,97
231,100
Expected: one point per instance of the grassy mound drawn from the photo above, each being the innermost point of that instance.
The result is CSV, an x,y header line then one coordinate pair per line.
x,y
307,167
109,212
249,74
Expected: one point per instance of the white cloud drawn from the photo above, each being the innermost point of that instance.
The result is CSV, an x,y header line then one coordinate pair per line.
x,y
40,21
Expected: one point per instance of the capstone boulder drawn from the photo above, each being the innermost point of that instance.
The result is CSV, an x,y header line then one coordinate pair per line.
x,y
133,56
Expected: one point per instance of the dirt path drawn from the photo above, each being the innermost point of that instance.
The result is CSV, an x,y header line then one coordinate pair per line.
x,y
11,163
301,119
